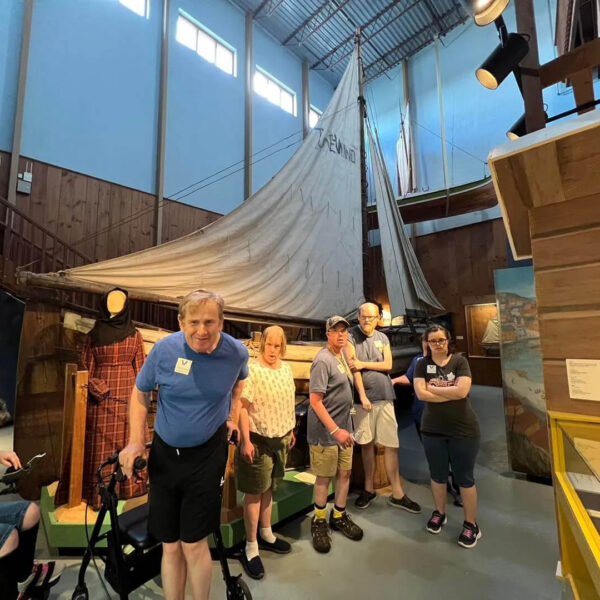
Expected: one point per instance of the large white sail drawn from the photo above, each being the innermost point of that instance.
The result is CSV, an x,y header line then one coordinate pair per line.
x,y
403,156
408,290
294,248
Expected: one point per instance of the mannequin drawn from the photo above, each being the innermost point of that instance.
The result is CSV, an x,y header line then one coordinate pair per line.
x,y
113,355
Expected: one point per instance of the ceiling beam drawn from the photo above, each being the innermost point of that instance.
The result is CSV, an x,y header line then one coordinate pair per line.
x,y
306,21
374,18
355,27
260,7
329,16
378,31
402,45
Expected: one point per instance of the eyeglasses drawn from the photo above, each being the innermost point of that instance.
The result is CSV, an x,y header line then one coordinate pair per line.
x,y
366,318
439,342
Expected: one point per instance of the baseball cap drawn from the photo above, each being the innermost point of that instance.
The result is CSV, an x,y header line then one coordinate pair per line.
x,y
333,321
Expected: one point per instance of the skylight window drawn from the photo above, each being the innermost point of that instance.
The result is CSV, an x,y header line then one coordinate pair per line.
x,y
275,92
139,7
206,44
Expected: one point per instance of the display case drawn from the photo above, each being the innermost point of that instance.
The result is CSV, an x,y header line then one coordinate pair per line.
x,y
576,452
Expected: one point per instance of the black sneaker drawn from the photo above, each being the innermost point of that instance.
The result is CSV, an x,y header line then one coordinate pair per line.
x,y
364,499
254,567
279,546
405,503
469,536
346,525
320,535
436,522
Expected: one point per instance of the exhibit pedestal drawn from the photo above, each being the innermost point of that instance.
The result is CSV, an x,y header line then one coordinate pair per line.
x,y
65,528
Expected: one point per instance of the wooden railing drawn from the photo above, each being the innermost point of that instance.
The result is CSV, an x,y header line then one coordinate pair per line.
x,y
25,243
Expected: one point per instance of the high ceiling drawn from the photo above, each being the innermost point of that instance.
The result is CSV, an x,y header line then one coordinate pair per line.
x,y
322,31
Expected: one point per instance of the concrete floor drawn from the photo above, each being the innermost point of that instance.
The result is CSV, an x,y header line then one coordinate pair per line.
x,y
515,559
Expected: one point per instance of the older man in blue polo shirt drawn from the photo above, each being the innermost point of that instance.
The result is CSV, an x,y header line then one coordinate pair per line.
x,y
200,374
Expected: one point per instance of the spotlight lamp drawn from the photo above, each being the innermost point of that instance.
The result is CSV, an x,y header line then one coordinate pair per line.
x,y
502,61
487,11
519,127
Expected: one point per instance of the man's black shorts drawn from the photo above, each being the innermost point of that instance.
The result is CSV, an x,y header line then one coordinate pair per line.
x,y
185,488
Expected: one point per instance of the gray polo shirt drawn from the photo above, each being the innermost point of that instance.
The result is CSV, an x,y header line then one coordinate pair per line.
x,y
328,377
378,384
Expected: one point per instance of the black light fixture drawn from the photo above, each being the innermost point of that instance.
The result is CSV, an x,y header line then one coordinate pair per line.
x,y
502,61
486,11
519,127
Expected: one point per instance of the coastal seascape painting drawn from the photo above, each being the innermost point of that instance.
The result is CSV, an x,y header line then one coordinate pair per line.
x,y
522,375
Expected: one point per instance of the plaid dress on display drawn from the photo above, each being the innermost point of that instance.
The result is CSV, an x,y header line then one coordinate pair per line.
x,y
112,372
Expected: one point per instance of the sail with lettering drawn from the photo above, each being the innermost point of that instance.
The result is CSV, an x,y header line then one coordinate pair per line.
x,y
292,249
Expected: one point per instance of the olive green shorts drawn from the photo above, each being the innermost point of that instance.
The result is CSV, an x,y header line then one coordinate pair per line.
x,y
267,468
325,461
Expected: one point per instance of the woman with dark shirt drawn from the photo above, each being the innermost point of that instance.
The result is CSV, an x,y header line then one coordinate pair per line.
x,y
450,430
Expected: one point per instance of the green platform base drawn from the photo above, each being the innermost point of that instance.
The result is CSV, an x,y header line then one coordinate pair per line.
x,y
292,497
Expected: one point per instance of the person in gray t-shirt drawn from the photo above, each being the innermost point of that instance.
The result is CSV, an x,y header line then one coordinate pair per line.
x,y
330,435
370,358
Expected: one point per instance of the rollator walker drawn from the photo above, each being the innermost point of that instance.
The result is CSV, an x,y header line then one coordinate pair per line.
x,y
127,571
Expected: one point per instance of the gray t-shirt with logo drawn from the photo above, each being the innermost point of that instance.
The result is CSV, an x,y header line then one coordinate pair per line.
x,y
329,377
378,384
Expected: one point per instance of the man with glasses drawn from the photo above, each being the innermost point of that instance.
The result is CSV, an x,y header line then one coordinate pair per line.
x,y
370,358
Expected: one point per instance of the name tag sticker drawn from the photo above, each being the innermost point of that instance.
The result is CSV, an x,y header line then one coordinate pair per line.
x,y
432,369
183,366
341,369
378,345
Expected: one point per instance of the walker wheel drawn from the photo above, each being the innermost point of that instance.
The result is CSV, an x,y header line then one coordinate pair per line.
x,y
80,594
239,590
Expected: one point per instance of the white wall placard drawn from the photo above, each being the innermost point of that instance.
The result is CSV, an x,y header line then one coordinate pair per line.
x,y
584,379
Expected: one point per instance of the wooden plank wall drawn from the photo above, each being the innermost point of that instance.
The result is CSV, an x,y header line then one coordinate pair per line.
x,y
566,257
100,218
458,264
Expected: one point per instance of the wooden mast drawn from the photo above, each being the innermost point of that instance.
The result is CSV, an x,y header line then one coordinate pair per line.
x,y
363,168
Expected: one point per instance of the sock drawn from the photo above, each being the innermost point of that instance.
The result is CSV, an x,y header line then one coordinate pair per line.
x,y
320,512
338,512
266,533
25,552
251,550
8,580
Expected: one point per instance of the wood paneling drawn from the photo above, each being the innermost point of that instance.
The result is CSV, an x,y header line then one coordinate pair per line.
x,y
457,263
570,335
568,249
569,287
558,218
101,219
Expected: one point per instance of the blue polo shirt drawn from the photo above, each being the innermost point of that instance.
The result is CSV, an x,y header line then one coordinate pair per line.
x,y
194,397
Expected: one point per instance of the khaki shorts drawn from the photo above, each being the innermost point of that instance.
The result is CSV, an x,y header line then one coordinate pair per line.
x,y
268,465
325,461
378,424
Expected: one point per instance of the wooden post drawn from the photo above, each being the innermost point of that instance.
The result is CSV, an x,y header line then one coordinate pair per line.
x,y
230,510
68,410
530,79
78,396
